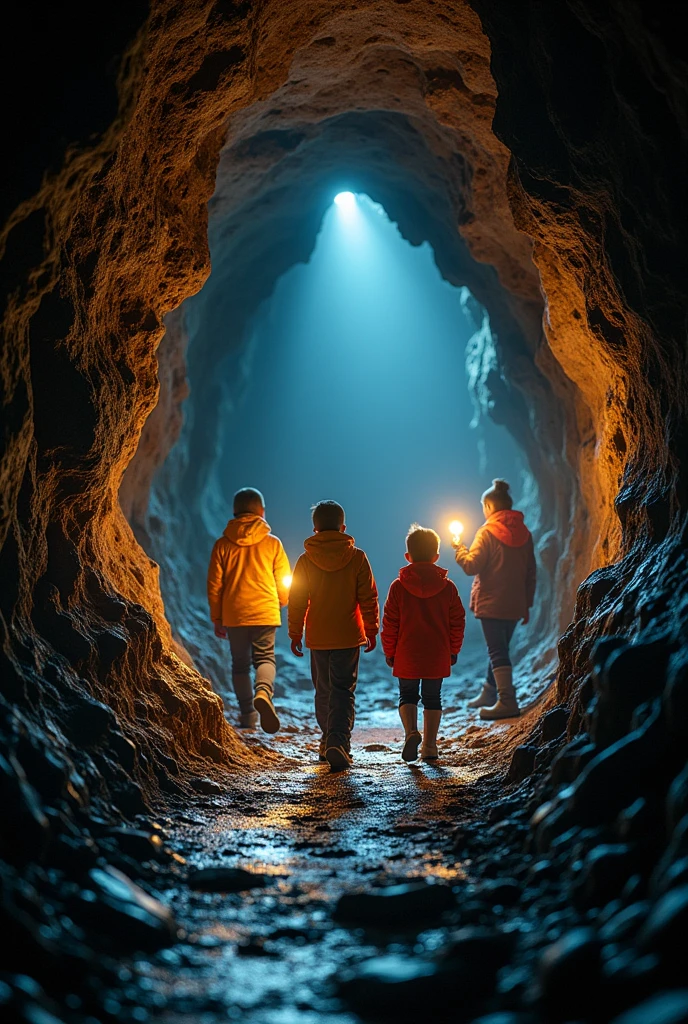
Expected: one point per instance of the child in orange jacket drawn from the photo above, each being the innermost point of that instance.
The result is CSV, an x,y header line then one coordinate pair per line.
x,y
334,592
422,633
248,582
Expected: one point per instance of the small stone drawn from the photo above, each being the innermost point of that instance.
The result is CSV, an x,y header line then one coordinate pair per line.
x,y
625,923
603,875
570,975
665,1008
553,724
206,786
387,986
665,929
395,905
124,914
225,879
522,762
137,843
505,891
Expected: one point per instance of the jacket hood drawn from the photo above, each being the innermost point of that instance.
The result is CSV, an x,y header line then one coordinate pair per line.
x,y
330,550
423,579
508,527
246,530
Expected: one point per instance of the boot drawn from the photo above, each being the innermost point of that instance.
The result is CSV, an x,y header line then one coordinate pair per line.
x,y
506,706
408,713
486,698
321,750
262,702
431,725
249,720
338,757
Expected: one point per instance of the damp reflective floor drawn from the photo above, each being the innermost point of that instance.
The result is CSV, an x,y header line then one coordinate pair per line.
x,y
274,955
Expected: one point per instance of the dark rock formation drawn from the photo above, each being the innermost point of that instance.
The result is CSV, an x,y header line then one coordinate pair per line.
x,y
575,201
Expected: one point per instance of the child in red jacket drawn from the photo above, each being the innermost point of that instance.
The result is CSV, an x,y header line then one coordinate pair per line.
x,y
422,633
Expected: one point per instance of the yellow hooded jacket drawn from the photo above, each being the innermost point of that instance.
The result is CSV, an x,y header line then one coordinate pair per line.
x,y
334,591
245,575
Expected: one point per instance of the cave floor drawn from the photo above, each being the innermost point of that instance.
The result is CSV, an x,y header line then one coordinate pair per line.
x,y
276,954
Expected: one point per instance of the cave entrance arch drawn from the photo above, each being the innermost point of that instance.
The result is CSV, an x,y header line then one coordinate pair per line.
x,y
362,374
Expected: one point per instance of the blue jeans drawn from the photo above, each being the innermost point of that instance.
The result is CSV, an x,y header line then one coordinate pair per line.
x,y
498,634
427,690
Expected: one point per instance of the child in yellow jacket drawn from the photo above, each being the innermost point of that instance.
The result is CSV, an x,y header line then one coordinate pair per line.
x,y
248,582
334,592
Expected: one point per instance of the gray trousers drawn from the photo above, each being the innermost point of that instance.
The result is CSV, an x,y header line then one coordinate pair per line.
x,y
252,645
334,675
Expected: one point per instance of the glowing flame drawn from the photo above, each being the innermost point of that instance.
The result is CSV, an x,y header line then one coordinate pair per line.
x,y
286,580
456,529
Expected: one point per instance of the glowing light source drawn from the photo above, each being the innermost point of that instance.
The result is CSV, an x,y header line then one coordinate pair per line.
x,y
345,200
456,529
286,581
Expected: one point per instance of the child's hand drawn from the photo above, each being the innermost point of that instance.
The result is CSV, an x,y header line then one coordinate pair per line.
x,y
454,659
390,662
370,644
220,630
296,648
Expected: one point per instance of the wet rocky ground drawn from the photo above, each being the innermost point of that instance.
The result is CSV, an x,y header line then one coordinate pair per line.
x,y
524,878
318,895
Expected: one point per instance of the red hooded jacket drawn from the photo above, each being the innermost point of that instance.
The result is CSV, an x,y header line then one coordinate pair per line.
x,y
502,560
423,622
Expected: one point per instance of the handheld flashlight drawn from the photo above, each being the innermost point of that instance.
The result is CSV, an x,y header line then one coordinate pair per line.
x,y
456,529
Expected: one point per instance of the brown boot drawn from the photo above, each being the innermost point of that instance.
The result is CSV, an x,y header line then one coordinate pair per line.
x,y
408,713
507,705
431,725
262,702
486,698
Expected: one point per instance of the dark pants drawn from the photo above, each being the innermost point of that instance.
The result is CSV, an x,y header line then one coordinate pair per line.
x,y
334,675
498,634
427,690
252,645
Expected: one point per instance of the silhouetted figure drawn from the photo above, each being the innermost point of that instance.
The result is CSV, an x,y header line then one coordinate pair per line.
x,y
422,632
334,591
248,581
503,562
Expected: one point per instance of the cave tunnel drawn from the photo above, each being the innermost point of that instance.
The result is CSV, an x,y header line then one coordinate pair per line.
x,y
182,298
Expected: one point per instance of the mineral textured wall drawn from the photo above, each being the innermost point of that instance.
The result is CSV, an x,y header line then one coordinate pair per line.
x,y
576,189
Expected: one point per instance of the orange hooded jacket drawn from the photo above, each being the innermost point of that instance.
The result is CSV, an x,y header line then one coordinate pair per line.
x,y
334,592
246,573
